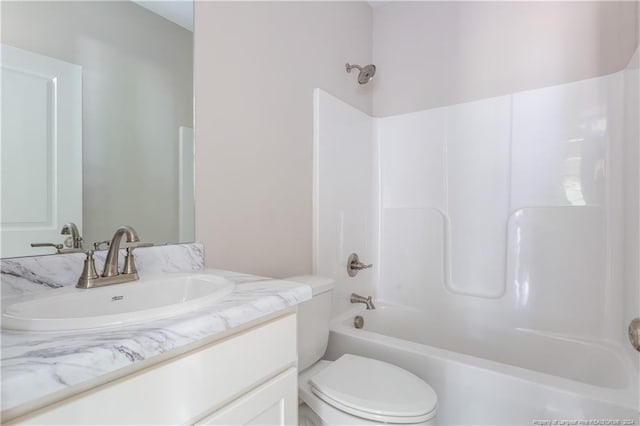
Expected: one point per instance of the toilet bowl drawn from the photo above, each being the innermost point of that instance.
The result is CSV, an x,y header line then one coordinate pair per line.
x,y
353,390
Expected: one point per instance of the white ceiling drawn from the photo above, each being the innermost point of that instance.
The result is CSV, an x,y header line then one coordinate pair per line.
x,y
177,11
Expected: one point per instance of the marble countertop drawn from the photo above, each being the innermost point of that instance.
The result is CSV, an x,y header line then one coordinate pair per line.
x,y
37,364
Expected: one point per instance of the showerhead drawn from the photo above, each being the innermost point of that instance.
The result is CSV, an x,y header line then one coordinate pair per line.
x,y
366,73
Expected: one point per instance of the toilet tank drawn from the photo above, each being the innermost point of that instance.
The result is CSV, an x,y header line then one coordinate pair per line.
x,y
313,320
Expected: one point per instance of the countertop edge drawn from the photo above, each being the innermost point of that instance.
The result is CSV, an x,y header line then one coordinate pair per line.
x,y
26,409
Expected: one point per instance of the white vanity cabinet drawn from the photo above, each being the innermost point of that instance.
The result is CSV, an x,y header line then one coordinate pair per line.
x,y
274,403
246,378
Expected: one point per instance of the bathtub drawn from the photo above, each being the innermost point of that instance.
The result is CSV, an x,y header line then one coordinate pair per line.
x,y
506,376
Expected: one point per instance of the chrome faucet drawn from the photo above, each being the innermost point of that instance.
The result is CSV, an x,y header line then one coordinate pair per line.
x,y
73,244
72,230
356,298
110,274
111,263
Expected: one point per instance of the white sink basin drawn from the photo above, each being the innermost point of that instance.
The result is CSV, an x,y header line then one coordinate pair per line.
x,y
118,304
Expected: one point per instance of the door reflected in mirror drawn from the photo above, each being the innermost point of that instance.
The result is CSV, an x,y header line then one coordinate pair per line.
x,y
97,122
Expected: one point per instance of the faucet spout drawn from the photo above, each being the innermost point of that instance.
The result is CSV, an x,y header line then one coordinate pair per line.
x,y
368,301
72,230
111,262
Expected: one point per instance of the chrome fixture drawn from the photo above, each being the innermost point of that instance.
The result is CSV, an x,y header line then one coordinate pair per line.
x,y
354,265
356,298
110,275
72,230
111,262
73,244
366,73
358,322
89,276
56,246
59,248
634,333
97,246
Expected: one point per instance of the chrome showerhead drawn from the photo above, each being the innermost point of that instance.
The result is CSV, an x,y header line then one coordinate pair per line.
x,y
366,73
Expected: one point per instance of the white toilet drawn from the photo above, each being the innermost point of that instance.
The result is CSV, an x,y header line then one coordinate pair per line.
x,y
352,390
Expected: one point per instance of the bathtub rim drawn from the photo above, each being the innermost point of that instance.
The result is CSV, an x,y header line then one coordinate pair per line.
x,y
626,398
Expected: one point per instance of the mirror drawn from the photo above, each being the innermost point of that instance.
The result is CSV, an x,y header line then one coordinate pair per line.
x,y
97,122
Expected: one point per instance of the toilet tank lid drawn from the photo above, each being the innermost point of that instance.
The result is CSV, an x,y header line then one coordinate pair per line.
x,y
318,284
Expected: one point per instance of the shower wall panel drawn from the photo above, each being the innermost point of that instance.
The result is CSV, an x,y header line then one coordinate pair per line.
x,y
477,195
631,197
515,197
453,161
516,211
345,216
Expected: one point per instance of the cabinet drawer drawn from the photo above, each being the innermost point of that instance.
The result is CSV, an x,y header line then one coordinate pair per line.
x,y
181,390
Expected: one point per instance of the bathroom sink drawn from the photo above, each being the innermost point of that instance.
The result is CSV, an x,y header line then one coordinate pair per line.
x,y
120,304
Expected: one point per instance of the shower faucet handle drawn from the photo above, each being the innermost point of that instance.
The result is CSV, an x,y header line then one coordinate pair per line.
x,y
360,266
634,333
354,265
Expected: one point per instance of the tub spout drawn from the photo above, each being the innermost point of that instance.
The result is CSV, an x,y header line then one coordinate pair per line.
x,y
356,298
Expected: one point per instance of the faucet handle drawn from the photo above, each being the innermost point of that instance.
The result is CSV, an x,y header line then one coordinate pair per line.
x,y
138,245
98,245
360,266
354,265
71,250
89,273
129,261
56,246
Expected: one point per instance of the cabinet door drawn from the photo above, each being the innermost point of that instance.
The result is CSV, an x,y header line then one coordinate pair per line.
x,y
273,403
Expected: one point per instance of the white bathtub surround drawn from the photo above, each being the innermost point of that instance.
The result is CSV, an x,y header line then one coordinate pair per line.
x,y
36,366
565,190
631,187
345,215
509,219
500,211
519,182
493,376
26,275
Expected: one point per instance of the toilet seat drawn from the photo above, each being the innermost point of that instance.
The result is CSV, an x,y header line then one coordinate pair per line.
x,y
375,390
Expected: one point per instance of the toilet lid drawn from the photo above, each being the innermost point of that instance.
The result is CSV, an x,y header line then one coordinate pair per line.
x,y
375,390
